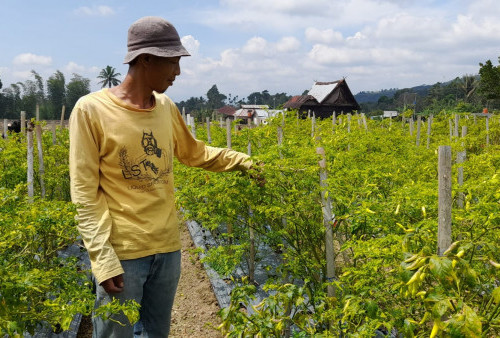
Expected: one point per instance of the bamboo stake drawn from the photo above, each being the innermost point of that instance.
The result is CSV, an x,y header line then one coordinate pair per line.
x,y
30,163
328,221
41,167
209,134
411,126
455,131
37,114
63,110
445,201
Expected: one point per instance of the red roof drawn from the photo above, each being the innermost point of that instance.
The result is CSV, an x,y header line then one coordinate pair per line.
x,y
227,110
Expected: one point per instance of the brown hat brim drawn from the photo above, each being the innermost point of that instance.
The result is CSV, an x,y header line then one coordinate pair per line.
x,y
172,51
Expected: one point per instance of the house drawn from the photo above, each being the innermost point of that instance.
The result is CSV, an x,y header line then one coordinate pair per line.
x,y
390,114
324,98
256,114
225,112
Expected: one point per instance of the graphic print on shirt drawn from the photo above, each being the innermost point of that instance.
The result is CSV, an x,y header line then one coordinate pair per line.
x,y
150,167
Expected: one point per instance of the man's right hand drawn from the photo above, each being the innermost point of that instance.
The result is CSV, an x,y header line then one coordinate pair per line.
x,y
113,285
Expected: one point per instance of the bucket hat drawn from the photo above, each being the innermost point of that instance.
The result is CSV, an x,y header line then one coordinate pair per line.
x,y
153,35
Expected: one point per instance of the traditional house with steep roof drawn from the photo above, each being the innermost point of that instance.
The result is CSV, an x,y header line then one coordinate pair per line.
x,y
324,98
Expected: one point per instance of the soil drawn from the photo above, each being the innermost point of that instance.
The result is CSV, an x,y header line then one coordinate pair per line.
x,y
194,313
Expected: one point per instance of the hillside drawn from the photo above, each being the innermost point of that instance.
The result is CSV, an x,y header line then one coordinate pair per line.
x,y
373,96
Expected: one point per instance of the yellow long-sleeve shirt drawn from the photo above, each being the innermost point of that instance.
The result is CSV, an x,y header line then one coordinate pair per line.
x,y
121,176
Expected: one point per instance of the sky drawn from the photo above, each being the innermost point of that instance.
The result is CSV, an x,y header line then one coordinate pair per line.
x,y
246,46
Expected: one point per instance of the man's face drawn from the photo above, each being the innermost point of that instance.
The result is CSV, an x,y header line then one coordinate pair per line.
x,y
163,71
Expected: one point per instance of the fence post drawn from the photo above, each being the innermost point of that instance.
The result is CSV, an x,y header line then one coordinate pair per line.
x,y
30,162
487,130
209,134
328,221
228,132
41,167
429,126
445,201
450,122
23,122
37,113
419,125
193,126
455,131
251,233
63,110
54,138
5,128
313,124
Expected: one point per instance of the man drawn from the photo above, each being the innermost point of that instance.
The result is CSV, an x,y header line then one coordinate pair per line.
x,y
122,143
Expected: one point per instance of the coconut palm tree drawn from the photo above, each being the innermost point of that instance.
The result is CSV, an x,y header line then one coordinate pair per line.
x,y
108,77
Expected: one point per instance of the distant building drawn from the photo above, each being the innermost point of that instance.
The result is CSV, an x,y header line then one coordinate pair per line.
x,y
225,112
324,98
390,113
256,114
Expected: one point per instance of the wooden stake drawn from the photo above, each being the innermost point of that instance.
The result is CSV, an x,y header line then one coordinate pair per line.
x,y
455,131
487,130
41,167
63,110
251,233
228,132
5,128
328,221
451,129
37,114
419,125
54,138
429,126
445,201
209,134
193,126
23,122
30,163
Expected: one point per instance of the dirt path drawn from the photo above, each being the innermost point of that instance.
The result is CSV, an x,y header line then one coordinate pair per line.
x,y
195,308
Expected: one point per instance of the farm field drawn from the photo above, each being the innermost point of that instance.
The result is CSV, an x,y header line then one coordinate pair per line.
x,y
356,238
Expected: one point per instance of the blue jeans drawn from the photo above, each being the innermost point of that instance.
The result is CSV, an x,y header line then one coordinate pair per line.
x,y
152,282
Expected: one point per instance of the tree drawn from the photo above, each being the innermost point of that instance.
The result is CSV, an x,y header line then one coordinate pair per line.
x,y
109,77
467,86
215,99
489,86
56,92
77,87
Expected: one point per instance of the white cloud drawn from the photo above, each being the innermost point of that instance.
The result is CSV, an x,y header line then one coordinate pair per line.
x,y
95,11
73,67
288,44
327,36
22,75
256,45
191,44
32,59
